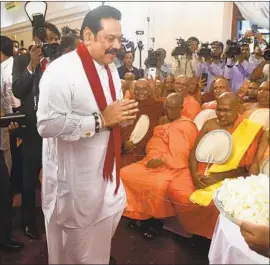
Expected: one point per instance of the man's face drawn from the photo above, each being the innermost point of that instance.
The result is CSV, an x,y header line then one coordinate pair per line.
x,y
194,45
51,37
181,84
141,90
263,95
227,112
169,83
173,110
15,48
220,86
128,59
193,85
216,50
245,51
104,45
253,90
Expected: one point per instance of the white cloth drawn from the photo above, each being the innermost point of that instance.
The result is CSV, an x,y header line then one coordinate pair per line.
x,y
255,12
73,181
229,247
6,72
90,245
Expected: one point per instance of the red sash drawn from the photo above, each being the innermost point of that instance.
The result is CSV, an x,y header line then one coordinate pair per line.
x,y
114,144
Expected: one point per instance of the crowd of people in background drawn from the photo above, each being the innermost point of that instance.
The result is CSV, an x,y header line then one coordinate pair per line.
x,y
184,101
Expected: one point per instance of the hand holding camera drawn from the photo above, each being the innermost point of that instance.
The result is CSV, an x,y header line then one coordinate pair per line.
x,y
35,57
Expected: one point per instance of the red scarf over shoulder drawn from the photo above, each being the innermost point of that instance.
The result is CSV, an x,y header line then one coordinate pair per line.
x,y
114,144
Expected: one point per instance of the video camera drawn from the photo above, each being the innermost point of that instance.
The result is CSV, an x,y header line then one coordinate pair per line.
x,y
233,48
152,58
183,47
204,51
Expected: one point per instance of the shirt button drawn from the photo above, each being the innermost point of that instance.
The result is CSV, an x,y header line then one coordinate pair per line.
x,y
88,134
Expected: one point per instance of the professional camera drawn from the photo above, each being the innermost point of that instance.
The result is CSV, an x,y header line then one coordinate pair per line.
x,y
234,48
52,51
182,48
152,58
266,54
205,51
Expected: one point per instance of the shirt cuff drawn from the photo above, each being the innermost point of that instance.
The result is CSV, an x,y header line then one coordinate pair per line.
x,y
88,126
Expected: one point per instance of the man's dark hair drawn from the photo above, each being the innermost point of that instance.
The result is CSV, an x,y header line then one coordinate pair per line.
x,y
15,41
6,46
193,39
68,41
130,52
93,18
52,28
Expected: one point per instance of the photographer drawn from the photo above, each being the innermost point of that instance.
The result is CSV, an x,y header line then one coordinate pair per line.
x,y
162,68
238,68
27,71
210,66
261,72
186,57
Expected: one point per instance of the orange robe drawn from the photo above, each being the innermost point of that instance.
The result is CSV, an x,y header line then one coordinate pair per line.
x,y
191,107
210,105
128,94
194,218
146,187
154,110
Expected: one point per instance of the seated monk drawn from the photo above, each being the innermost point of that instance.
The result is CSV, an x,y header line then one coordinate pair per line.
x,y
261,154
168,86
262,98
166,157
194,218
193,88
250,100
147,106
220,86
191,106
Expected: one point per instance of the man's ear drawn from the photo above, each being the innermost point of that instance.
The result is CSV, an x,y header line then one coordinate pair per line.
x,y
88,36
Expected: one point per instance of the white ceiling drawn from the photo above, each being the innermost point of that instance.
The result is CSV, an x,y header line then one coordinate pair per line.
x,y
17,15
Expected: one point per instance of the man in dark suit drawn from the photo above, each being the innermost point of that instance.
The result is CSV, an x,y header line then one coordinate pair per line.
x,y
128,67
27,72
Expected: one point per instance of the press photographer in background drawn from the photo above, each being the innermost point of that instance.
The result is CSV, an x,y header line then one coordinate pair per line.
x,y
156,67
261,72
238,67
27,72
70,39
185,55
210,63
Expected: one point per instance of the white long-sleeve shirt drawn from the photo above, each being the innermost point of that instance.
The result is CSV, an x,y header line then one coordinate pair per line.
x,y
73,156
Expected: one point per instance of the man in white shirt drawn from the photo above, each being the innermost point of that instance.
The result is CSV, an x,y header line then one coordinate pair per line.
x,y
6,194
78,116
240,70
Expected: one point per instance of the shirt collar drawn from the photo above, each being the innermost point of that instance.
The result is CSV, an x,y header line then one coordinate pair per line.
x,y
7,62
101,67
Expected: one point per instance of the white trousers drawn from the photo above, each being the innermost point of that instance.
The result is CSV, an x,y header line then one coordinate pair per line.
x,y
90,245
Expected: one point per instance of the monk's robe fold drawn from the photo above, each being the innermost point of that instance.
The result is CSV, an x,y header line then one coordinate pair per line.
x,y
146,187
210,105
194,218
154,110
191,107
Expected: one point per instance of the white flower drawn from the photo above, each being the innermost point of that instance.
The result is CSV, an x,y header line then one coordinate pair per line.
x,y
246,198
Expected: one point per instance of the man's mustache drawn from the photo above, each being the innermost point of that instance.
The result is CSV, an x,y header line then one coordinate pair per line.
x,y
111,51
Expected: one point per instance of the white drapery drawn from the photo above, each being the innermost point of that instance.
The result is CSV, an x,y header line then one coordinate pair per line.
x,y
255,12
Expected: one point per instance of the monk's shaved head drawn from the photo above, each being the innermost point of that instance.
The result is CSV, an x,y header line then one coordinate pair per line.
x,y
221,85
228,96
142,90
175,99
263,95
129,76
173,105
227,109
181,84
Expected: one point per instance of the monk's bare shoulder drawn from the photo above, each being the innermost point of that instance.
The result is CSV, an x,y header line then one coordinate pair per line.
x,y
211,125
